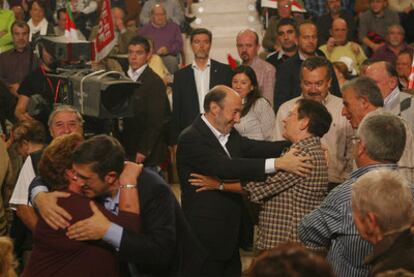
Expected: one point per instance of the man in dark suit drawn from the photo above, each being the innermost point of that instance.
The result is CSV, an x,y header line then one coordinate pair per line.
x,y
143,136
212,146
288,74
165,246
193,82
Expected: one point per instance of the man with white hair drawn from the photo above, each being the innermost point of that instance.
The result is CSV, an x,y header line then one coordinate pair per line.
x,y
330,227
382,208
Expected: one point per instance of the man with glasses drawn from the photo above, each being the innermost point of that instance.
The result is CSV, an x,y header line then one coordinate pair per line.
x,y
330,227
315,80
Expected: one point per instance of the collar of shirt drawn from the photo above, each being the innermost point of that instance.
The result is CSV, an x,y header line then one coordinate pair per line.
x,y
111,203
362,170
195,66
134,75
394,94
221,138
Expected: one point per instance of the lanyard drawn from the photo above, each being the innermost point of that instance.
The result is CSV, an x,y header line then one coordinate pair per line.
x,y
51,85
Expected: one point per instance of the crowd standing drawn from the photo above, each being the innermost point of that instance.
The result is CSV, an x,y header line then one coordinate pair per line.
x,y
308,141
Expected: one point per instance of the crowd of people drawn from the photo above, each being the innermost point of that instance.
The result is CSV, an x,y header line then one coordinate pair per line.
x,y
308,141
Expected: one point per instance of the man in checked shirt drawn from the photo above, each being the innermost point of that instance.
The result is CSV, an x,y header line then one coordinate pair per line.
x,y
286,197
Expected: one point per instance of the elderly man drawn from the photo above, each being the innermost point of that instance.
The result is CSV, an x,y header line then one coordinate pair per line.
x,y
374,22
172,8
287,82
16,63
193,82
394,44
315,79
330,227
338,48
248,48
287,40
324,22
211,146
382,209
395,101
285,197
166,37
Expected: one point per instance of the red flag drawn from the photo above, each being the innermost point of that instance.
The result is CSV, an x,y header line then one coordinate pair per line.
x,y
105,40
233,63
411,77
70,27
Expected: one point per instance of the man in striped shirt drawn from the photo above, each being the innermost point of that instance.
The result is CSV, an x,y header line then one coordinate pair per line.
x,y
330,227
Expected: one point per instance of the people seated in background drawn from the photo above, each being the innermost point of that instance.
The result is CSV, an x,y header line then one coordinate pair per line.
x,y
166,36
288,74
61,25
315,80
382,210
287,40
324,22
248,46
290,260
330,227
284,10
18,62
285,197
373,25
405,10
172,8
397,102
338,47
341,72
257,116
54,254
394,44
6,21
38,23
403,66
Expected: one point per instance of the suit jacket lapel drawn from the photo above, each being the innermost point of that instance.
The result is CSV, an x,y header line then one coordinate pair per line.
x,y
201,126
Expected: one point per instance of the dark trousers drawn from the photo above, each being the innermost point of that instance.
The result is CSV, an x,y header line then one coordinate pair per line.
x,y
230,267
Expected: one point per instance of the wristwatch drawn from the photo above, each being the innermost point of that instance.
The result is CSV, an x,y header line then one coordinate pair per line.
x,y
221,186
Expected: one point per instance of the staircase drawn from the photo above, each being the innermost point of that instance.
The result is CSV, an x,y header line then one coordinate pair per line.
x,y
225,19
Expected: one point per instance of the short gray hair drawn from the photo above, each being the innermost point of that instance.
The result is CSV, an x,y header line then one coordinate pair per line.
x,y
383,135
387,195
64,108
366,87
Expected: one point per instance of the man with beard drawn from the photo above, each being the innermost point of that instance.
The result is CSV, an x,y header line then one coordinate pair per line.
x,y
287,39
248,48
192,82
288,81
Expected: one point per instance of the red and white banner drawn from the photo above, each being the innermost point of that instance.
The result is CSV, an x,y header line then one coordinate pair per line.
x,y
273,5
105,40
411,77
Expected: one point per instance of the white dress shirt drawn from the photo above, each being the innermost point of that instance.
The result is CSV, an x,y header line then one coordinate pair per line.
x,y
202,80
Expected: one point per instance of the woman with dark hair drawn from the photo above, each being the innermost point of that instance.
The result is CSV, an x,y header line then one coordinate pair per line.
x,y
54,254
257,116
38,23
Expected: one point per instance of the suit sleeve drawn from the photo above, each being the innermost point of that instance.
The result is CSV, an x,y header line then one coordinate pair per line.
x,y
155,245
283,86
175,123
153,108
